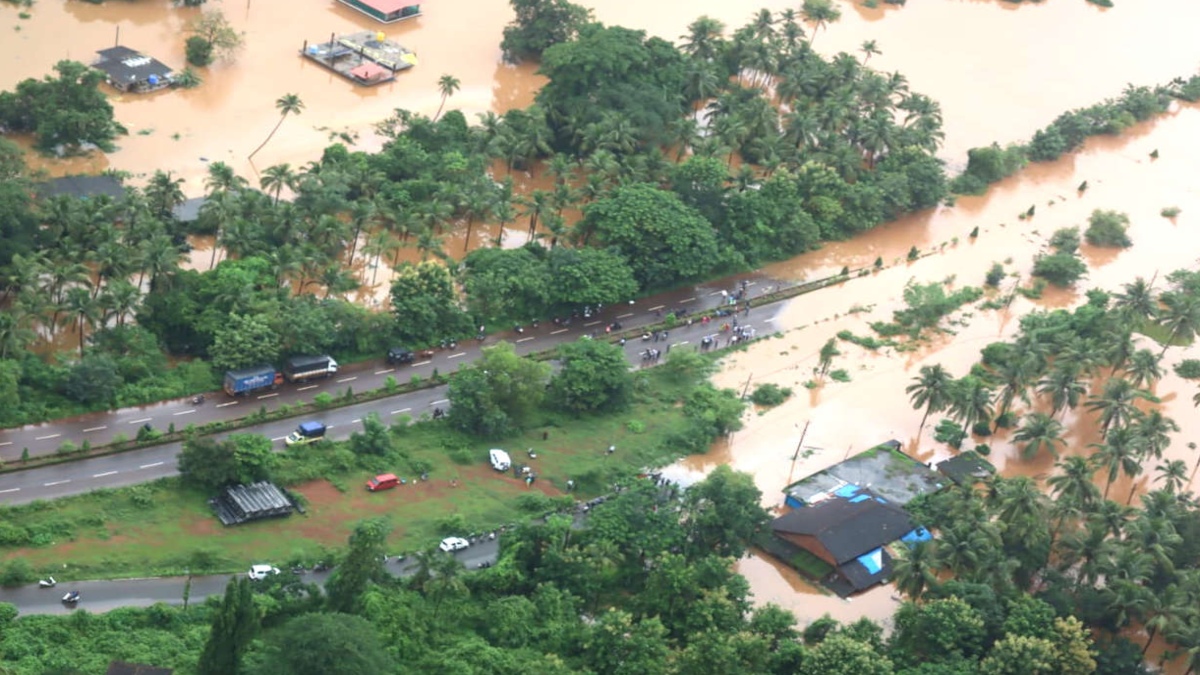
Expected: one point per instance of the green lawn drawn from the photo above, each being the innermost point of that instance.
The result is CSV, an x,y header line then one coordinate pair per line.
x,y
166,528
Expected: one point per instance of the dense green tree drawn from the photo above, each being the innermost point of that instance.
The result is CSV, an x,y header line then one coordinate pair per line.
x,y
498,393
321,644
425,304
211,464
67,109
595,377
374,439
587,276
664,241
723,514
841,655
939,630
362,566
504,285
94,379
243,342
540,24
235,625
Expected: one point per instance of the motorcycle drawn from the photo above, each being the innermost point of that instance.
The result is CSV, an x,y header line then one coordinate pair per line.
x,y
198,400
47,583
71,597
519,329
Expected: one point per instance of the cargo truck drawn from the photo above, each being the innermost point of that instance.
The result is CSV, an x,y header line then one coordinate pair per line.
x,y
247,380
301,368
307,432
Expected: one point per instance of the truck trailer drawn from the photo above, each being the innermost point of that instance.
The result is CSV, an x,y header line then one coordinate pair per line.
x,y
247,380
301,368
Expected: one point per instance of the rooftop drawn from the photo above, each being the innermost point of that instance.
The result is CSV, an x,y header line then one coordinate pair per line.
x,y
123,64
82,187
241,503
389,6
884,469
967,468
848,527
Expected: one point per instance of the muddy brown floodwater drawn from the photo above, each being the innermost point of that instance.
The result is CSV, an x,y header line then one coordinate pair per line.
x,y
999,70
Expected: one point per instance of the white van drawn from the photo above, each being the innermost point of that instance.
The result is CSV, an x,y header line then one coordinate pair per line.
x,y
500,459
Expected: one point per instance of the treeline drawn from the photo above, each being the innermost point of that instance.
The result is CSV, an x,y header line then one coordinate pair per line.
x,y
1113,565
638,135
645,586
986,165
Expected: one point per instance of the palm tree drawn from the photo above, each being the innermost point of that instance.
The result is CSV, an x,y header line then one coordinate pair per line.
x,y
1180,316
703,39
80,304
275,178
965,549
1118,453
825,357
1173,473
1115,403
1014,376
930,390
288,104
164,193
820,13
1073,483
1162,610
971,401
915,569
1143,368
447,85
1039,432
15,334
1064,386
869,49
1136,303
1153,429
222,178
120,299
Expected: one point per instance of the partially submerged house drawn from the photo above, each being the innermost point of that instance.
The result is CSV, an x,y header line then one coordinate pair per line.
x,y
132,71
884,469
82,187
848,532
967,469
242,503
386,11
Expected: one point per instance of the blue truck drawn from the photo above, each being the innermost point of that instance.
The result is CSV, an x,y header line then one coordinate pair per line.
x,y
247,380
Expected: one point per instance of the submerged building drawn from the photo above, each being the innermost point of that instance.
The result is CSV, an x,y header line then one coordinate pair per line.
x,y
131,71
386,11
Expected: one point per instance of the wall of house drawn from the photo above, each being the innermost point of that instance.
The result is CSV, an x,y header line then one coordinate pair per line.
x,y
810,544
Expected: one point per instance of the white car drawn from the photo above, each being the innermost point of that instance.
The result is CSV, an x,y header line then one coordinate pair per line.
x,y
260,572
451,544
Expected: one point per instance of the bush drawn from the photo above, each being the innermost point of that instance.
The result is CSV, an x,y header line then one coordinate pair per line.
x,y
1060,269
1170,212
994,275
16,573
1065,240
982,428
1109,229
199,51
1006,421
770,395
1188,369
323,400
839,375
949,432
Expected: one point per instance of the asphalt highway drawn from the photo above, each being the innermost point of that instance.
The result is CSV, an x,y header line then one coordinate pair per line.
x,y
103,596
103,427
139,466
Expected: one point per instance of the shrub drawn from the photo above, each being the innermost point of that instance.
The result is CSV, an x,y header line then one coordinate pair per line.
x,y
982,428
983,449
769,394
839,375
1006,421
1170,212
913,254
452,525
461,456
199,51
1060,269
1188,369
949,432
534,502
16,573
635,426
323,400
1065,240
1109,229
188,79
994,275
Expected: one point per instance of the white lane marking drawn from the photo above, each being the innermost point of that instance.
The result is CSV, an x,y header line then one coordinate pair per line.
x,y
185,412
688,300
268,395
384,372
348,379
590,324
102,475
5,443
91,429
714,293
311,386
752,283
151,466
423,363
624,316
222,405
328,426
353,421
46,438
56,482
144,419
402,410
445,400
278,438
4,492
455,356
560,330
681,343
525,339
652,309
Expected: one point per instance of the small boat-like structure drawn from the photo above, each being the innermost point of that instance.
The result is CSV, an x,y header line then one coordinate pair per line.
x,y
365,58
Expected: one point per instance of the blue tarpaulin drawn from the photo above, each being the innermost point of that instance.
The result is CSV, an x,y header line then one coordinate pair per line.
x,y
873,561
847,491
916,536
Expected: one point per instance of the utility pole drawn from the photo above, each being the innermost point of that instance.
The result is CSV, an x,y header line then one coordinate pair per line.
x,y
117,40
796,455
747,387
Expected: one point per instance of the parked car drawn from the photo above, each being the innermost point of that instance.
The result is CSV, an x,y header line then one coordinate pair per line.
x,y
384,481
260,572
400,355
452,544
500,459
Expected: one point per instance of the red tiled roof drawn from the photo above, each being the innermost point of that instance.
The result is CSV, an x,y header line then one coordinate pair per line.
x,y
369,71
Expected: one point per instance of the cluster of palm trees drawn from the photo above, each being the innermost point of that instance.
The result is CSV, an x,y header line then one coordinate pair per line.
x,y
1133,563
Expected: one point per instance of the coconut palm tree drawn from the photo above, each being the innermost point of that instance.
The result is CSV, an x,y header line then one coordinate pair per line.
x,y
1173,473
1180,316
1064,385
1162,610
15,333
820,13
1086,551
447,85
119,299
164,192
275,178
1115,403
1143,368
1153,429
869,49
1074,482
1039,432
1014,375
704,38
288,104
915,570
1119,453
971,401
1136,303
83,309
930,390
965,549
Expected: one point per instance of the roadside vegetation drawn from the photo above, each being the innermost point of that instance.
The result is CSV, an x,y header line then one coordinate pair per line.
x,y
650,418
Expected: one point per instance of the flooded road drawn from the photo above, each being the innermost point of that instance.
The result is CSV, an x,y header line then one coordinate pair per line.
x,y
999,70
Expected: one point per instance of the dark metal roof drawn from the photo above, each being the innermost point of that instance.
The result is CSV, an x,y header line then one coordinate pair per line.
x,y
123,64
847,528
860,577
968,468
242,503
82,187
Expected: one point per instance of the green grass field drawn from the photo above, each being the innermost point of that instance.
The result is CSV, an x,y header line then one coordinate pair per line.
x,y
166,527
